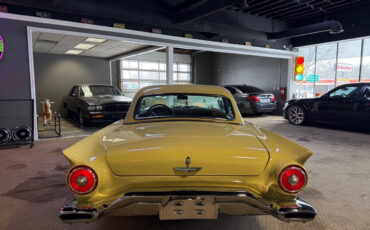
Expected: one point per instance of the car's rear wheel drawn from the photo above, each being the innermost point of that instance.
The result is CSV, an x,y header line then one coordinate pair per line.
x,y
297,115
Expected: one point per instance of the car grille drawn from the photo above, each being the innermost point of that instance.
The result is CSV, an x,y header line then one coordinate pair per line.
x,y
116,107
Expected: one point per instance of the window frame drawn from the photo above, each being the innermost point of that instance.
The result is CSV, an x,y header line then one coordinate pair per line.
x,y
195,94
160,70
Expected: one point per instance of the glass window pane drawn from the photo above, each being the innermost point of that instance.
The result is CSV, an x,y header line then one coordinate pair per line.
x,y
127,85
149,65
149,83
348,67
174,67
175,76
325,68
183,77
125,64
162,75
365,74
134,65
129,74
184,67
162,66
150,75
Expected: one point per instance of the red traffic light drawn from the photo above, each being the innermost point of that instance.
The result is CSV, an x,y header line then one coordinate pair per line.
x,y
300,60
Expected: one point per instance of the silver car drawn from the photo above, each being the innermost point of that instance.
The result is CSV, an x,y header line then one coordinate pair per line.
x,y
252,100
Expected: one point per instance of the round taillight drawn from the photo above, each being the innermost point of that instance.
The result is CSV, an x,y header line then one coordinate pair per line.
x,y
82,180
292,179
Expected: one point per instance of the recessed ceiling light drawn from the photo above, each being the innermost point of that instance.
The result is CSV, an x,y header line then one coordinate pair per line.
x,y
98,40
84,46
74,52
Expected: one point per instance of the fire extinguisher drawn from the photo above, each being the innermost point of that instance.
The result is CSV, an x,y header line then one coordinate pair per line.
x,y
282,92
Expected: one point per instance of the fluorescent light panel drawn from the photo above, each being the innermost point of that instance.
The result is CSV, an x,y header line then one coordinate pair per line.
x,y
74,52
84,46
97,40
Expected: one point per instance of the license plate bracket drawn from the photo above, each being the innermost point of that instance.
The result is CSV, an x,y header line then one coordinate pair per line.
x,y
263,100
199,207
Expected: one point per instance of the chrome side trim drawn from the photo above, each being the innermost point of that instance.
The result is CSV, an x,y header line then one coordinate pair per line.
x,y
230,203
187,169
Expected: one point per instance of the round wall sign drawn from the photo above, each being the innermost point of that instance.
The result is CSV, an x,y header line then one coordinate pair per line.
x,y
1,47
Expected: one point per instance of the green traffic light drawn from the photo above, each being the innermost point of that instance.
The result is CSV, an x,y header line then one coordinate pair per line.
x,y
299,77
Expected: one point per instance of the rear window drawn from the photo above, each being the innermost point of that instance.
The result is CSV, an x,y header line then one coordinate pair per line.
x,y
249,89
184,106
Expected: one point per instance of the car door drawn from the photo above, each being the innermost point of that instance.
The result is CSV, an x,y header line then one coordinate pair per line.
x,y
350,106
363,107
335,106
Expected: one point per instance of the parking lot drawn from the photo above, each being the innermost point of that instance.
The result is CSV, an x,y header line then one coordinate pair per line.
x,y
33,188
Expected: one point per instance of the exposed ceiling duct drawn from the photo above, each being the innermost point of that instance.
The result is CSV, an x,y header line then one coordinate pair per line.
x,y
333,27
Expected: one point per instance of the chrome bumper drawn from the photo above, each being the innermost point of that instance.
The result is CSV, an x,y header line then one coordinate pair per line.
x,y
190,205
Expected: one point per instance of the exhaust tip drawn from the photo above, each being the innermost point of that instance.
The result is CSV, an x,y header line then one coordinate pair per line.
x,y
70,214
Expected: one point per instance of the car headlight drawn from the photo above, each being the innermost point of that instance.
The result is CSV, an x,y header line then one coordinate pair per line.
x,y
91,107
94,107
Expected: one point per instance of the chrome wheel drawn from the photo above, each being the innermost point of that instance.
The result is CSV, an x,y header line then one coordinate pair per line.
x,y
296,115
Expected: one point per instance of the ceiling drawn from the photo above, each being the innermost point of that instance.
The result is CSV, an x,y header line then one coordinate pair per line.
x,y
59,44
296,10
236,21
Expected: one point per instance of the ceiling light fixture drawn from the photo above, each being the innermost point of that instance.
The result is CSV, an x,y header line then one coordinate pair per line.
x,y
84,46
97,40
74,52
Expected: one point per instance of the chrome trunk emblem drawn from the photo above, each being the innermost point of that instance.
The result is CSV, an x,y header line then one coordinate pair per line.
x,y
187,168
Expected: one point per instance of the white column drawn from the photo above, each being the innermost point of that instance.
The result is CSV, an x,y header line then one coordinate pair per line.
x,y
169,62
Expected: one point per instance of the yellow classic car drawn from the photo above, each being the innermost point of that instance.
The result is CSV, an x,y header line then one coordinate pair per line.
x,y
184,152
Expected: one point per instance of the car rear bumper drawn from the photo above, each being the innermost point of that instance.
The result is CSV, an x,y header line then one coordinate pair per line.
x,y
190,205
263,107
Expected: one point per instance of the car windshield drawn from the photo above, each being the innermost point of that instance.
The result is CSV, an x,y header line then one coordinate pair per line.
x,y
248,89
184,106
96,90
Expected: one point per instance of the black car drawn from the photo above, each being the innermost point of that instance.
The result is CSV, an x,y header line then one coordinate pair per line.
x,y
347,104
96,103
252,100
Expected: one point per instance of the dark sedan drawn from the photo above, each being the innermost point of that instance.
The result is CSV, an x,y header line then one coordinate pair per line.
x,y
96,103
346,104
252,100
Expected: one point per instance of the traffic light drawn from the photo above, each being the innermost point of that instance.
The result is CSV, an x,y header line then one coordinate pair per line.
x,y
298,70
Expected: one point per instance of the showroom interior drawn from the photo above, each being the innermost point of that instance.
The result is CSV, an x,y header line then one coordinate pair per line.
x,y
52,54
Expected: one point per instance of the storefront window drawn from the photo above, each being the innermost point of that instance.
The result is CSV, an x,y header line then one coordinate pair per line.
x,y
365,73
325,68
348,67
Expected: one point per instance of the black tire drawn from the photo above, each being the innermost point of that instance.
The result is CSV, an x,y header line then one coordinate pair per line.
x,y
69,113
297,115
81,118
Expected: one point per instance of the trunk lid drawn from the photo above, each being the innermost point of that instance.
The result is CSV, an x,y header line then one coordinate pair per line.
x,y
158,148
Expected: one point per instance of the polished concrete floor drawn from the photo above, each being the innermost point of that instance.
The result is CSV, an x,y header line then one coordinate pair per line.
x,y
32,185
